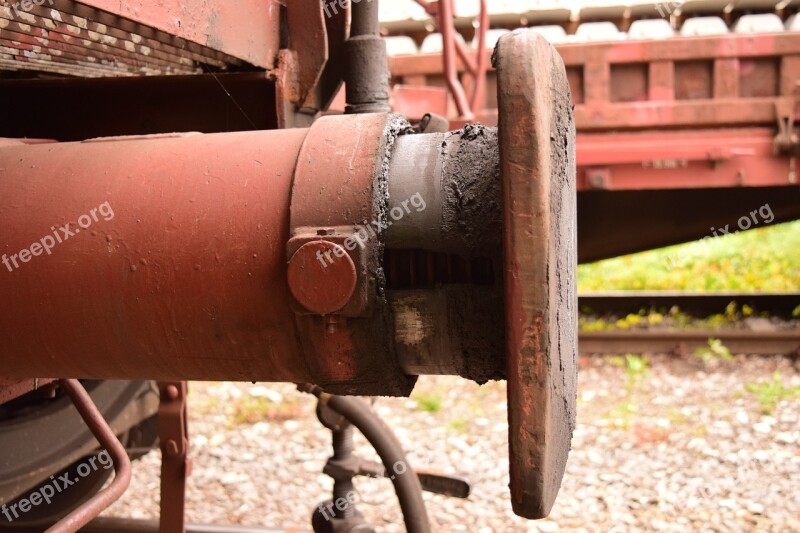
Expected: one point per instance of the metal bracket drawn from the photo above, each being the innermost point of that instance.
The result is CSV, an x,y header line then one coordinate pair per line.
x,y
311,69
787,141
175,464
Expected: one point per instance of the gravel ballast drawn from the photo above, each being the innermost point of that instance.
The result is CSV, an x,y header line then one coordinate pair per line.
x,y
667,445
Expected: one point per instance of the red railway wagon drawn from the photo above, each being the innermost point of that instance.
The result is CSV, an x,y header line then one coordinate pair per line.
x,y
274,239
685,111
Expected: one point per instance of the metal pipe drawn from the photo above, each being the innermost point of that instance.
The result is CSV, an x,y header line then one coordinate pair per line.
x,y
406,483
343,451
365,20
122,463
449,54
445,198
478,100
366,72
157,257
445,193
182,272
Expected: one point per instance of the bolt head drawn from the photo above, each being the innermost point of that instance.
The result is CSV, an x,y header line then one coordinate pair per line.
x,y
322,277
172,392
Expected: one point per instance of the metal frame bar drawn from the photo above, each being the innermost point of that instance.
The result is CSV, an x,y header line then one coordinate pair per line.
x,y
122,463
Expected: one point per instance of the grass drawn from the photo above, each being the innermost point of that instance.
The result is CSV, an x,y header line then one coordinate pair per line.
x,y
670,318
428,403
764,259
715,351
253,409
458,425
772,391
636,369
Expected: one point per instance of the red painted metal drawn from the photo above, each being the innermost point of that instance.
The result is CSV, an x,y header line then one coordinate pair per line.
x,y
417,101
186,281
448,55
247,29
537,161
173,435
310,68
183,275
443,11
727,80
482,61
682,159
337,195
10,389
717,105
322,277
89,510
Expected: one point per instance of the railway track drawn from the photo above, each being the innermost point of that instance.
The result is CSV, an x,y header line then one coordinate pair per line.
x,y
686,341
659,340
780,305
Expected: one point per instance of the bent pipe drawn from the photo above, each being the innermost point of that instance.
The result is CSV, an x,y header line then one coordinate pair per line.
x,y
122,463
381,437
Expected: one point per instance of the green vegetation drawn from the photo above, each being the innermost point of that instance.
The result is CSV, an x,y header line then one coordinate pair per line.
x,y
458,425
716,350
772,391
672,318
252,409
764,259
429,404
636,368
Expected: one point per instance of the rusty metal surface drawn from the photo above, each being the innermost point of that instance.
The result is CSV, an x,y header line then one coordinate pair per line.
x,y
749,342
537,154
301,64
173,434
10,389
186,280
108,440
311,67
339,189
443,11
716,104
